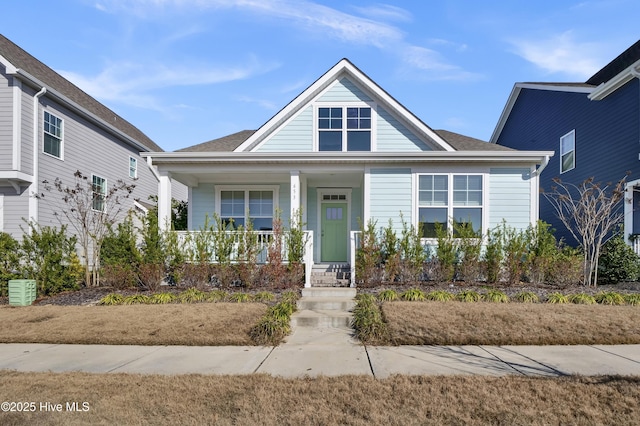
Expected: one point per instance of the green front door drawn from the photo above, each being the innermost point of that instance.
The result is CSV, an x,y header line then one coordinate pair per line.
x,y
334,232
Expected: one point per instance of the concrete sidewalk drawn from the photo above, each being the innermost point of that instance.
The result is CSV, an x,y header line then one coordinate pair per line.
x,y
327,353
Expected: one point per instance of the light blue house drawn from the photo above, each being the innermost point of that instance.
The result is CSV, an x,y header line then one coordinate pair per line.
x,y
345,152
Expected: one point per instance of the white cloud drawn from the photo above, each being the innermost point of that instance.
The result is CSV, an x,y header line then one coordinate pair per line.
x,y
563,54
266,104
385,12
133,83
434,66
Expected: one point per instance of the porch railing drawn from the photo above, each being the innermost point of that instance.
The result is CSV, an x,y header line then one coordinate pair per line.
x,y
196,244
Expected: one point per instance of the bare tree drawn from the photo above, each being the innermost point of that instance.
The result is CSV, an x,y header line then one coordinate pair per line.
x,y
91,208
591,213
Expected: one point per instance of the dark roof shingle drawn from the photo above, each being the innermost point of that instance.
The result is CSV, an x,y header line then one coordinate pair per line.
x,y
466,143
26,62
223,144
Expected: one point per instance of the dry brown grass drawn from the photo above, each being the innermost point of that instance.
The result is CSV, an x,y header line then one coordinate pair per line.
x,y
206,324
483,323
356,400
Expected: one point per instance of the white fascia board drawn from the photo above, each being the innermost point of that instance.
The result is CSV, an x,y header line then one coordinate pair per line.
x,y
79,109
360,79
166,158
515,92
15,175
607,88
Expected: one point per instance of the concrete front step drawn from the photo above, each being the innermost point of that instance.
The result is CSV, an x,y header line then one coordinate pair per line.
x,y
321,318
329,292
326,303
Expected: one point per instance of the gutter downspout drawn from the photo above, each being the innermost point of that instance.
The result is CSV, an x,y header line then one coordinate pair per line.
x,y
544,164
33,201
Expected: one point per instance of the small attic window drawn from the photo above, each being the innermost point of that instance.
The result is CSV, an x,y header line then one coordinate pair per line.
x,y
344,128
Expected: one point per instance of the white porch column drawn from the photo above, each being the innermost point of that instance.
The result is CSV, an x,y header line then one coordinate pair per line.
x,y
164,200
295,195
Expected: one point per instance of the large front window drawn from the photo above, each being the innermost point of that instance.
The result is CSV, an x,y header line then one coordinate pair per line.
x,y
52,135
238,207
344,129
444,198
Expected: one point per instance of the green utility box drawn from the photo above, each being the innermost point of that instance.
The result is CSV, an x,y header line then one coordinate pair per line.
x,y
22,292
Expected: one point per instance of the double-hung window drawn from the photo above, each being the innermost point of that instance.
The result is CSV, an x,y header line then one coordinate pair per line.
x,y
238,207
443,198
52,135
568,152
344,129
133,168
99,187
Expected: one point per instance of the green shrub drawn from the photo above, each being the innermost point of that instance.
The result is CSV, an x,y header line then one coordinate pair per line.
x,y
192,295
440,296
582,299
367,320
264,296
49,257
493,254
610,298
469,250
216,296
387,295
412,252
289,296
389,252
368,257
543,249
111,299
274,325
9,261
413,295
446,253
162,298
527,297
136,299
468,296
618,262
496,296
240,298
557,298
632,299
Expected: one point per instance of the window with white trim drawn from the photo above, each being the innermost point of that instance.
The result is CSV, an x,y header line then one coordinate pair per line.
x,y
52,144
99,187
133,168
344,129
568,152
446,197
238,207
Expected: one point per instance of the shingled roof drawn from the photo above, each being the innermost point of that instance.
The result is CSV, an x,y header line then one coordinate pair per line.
x,y
231,142
29,64
619,64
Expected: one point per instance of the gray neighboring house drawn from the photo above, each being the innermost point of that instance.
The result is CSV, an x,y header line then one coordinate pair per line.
x,y
49,128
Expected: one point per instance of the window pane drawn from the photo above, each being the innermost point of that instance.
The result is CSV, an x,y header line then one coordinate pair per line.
x,y
336,123
260,203
352,123
440,183
51,145
471,216
459,183
567,143
336,112
474,183
232,203
323,112
429,218
262,224
567,161
425,182
323,123
358,141
365,123
365,112
352,112
330,141
232,222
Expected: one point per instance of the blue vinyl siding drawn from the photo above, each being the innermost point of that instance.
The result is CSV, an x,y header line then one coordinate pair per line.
x,y
509,197
296,136
607,136
344,91
390,195
393,136
202,204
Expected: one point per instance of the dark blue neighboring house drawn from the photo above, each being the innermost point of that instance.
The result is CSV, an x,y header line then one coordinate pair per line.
x,y
593,127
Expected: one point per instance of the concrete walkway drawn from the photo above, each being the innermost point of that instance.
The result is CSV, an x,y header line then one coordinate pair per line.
x,y
328,352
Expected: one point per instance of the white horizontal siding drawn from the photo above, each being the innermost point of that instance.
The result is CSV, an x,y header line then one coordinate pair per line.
x,y
393,136
15,207
344,91
295,136
510,197
390,195
27,129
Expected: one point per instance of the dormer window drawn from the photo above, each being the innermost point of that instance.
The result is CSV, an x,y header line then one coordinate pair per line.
x,y
344,129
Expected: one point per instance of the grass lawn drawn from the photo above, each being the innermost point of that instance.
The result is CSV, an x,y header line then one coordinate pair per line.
x,y
484,323
198,324
356,400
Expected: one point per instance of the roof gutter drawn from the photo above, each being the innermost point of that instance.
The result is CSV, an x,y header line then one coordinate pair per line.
x,y
607,88
544,164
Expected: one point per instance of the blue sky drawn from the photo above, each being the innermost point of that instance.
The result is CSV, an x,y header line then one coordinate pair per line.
x,y
188,71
